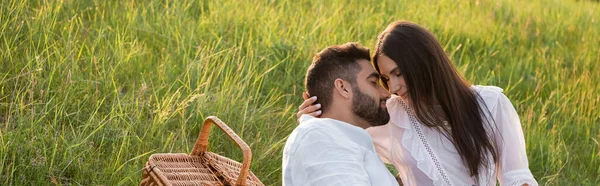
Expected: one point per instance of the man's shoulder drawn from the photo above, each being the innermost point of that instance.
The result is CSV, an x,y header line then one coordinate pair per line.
x,y
314,134
314,129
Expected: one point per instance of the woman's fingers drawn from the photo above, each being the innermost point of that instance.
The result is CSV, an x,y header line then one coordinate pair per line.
x,y
313,110
307,102
307,108
305,95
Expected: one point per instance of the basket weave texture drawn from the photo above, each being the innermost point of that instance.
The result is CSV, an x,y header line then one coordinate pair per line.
x,y
201,167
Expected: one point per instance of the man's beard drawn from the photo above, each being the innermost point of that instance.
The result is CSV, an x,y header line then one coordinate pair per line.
x,y
369,109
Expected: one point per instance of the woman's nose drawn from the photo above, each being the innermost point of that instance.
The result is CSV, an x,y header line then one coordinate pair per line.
x,y
393,87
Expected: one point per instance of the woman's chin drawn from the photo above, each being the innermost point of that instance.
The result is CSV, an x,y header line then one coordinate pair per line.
x,y
404,96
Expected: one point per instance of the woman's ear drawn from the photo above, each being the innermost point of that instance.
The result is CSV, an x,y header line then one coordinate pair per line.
x,y
343,88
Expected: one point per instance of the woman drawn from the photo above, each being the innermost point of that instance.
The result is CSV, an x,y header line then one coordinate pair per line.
x,y
442,131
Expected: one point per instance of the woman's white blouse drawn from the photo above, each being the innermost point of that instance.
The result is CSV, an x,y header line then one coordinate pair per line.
x,y
423,156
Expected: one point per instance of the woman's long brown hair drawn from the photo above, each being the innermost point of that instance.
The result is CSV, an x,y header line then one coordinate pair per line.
x,y
431,79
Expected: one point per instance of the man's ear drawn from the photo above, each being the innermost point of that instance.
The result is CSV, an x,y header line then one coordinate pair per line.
x,y
343,88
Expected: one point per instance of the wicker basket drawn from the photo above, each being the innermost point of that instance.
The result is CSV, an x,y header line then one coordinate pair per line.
x,y
201,167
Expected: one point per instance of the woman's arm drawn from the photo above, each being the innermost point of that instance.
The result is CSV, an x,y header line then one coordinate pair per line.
x,y
513,166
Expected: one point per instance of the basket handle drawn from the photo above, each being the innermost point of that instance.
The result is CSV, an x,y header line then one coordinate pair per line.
x,y
201,145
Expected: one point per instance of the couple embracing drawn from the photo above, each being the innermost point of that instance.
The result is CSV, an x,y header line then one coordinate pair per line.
x,y
406,106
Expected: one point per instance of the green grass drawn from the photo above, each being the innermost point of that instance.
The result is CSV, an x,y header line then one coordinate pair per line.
x,y
89,89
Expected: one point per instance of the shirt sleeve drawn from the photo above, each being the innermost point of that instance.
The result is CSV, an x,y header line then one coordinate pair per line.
x,y
329,163
513,167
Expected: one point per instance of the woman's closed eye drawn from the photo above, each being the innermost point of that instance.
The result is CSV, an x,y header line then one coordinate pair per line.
x,y
398,74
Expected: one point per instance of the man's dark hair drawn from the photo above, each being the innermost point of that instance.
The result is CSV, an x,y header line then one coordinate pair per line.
x,y
338,61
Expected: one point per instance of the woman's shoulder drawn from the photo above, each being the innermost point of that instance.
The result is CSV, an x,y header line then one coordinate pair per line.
x,y
487,90
490,95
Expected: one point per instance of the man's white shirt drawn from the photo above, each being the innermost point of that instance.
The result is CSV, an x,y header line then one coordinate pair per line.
x,y
323,151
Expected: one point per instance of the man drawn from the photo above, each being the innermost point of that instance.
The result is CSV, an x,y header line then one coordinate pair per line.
x,y
335,149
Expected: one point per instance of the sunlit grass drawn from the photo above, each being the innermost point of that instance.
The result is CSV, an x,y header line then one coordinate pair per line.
x,y
89,89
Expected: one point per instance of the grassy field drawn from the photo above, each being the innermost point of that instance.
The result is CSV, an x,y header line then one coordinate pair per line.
x,y
89,89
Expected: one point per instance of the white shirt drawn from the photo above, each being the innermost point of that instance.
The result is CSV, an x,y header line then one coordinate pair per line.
x,y
423,156
323,152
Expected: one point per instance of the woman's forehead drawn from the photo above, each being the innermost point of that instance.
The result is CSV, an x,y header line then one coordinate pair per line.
x,y
385,64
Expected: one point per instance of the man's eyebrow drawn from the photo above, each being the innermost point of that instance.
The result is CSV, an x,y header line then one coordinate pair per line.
x,y
374,74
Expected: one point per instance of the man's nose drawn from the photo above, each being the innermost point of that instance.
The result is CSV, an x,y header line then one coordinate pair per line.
x,y
384,93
